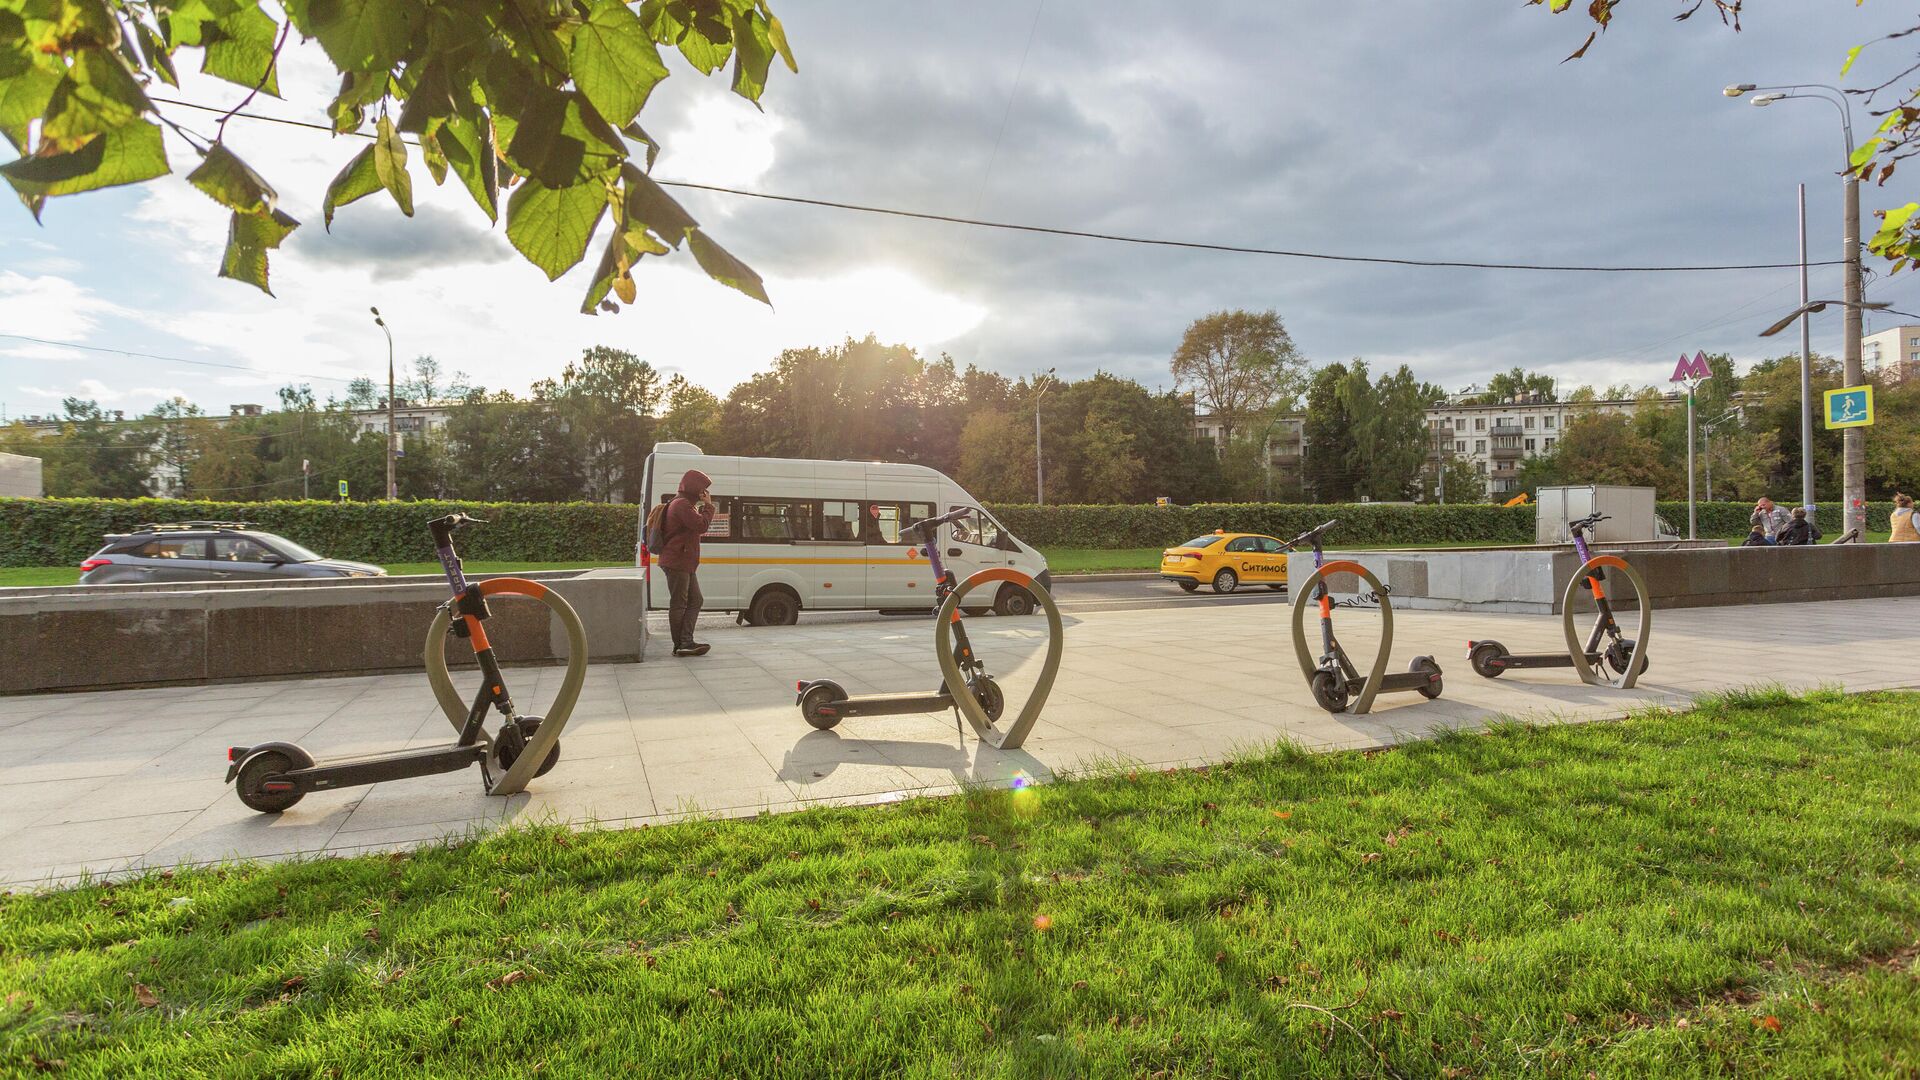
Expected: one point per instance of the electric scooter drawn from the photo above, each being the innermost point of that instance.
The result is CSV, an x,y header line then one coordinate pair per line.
x,y
273,776
1490,658
1335,681
824,702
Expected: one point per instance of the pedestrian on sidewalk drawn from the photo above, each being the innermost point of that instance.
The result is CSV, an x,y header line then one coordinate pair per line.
x,y
1757,537
1903,522
688,517
1772,520
1800,531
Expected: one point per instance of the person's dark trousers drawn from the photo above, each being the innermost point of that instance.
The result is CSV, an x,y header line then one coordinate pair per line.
x,y
683,610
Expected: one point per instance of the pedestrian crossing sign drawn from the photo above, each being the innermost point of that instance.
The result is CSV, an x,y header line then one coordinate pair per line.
x,y
1849,406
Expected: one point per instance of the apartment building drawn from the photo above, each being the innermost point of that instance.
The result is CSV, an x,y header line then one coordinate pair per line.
x,y
1285,443
1495,439
1893,352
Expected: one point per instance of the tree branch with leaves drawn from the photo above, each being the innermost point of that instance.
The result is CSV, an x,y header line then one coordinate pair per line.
x,y
539,97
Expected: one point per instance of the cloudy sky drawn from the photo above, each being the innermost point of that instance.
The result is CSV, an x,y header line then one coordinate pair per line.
x,y
1448,131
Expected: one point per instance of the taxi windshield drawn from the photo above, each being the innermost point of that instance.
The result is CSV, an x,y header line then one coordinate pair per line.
x,y
1202,541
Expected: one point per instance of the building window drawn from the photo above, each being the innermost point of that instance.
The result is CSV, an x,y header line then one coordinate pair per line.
x,y
1529,421
1479,446
1913,341
1460,446
1479,423
1549,446
1547,422
1529,446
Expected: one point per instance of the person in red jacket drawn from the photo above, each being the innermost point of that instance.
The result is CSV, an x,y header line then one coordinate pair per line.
x,y
688,517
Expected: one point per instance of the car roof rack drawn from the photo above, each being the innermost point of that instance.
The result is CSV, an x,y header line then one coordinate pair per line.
x,y
176,526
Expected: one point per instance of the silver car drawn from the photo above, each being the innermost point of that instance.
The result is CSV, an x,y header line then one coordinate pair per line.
x,y
209,551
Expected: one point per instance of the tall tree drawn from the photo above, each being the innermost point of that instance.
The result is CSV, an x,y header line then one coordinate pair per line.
x,y
1605,449
1518,384
607,398
996,457
1239,365
692,413
1328,472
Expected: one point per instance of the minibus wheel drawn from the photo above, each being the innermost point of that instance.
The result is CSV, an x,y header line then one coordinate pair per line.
x,y
774,607
1013,600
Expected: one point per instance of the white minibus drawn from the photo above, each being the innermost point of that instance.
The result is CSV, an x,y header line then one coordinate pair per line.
x,y
792,535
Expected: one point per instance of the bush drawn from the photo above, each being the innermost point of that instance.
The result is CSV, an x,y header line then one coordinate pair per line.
x,y
1369,523
57,532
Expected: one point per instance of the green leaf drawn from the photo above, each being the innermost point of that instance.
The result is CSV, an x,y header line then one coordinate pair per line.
x,y
390,163
552,226
228,181
469,150
159,57
624,248
98,94
249,238
639,134
358,35
357,181
706,45
724,268
125,155
752,56
1852,55
777,34
239,49
1892,224
1865,151
435,159
24,98
357,90
615,63
648,204
560,143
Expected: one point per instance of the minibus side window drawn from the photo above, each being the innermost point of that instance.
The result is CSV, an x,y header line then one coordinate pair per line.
x,y
841,519
886,523
771,520
977,528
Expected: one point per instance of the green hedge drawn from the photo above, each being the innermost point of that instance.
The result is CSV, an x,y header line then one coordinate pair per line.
x,y
61,532
1368,523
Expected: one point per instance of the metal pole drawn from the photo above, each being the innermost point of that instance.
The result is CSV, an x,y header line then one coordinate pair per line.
x,y
1709,462
1692,529
1806,374
1039,465
393,488
1853,440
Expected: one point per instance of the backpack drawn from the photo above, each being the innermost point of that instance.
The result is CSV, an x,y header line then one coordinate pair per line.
x,y
656,535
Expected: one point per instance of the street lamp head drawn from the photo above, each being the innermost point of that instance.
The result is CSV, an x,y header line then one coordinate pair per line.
x,y
1761,101
1737,89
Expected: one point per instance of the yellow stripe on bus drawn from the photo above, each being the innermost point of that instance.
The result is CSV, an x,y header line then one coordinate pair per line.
x,y
736,560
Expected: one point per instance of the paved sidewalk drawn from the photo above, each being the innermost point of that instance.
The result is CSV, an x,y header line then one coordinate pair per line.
x,y
111,782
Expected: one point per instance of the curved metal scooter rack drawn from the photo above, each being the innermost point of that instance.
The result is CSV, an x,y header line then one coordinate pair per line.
x,y
1636,661
1375,676
949,613
514,779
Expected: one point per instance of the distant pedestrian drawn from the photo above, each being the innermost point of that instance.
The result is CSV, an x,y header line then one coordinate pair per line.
x,y
688,517
1772,520
1903,521
1757,537
1799,531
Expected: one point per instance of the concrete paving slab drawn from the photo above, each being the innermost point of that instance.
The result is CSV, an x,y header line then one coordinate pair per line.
x,y
114,782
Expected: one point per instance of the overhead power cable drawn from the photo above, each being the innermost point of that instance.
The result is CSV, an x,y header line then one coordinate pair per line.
x,y
1192,245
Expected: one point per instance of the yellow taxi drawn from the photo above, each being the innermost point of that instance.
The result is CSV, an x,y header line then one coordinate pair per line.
x,y
1226,561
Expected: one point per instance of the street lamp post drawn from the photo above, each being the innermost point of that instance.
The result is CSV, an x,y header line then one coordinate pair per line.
x,y
1039,466
1853,460
1446,454
393,488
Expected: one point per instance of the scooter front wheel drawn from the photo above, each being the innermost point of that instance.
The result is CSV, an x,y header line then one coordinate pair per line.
x,y
1327,692
817,706
1620,654
514,739
1483,658
1425,665
254,773
992,700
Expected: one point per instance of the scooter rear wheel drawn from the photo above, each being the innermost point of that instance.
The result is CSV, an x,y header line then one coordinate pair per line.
x,y
1327,692
1482,659
254,773
1431,689
813,701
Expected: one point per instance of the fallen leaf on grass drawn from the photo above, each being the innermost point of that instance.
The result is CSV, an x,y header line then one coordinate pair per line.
x,y
1770,1022
147,998
1283,814
504,981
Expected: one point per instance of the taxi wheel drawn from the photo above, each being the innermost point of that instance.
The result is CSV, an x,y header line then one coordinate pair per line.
x,y
1225,582
1278,588
1188,586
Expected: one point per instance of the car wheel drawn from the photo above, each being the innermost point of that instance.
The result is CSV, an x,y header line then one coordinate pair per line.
x,y
1188,586
1013,600
977,612
774,607
1225,582
1282,587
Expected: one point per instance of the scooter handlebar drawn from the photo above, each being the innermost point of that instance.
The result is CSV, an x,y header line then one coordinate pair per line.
x,y
1310,534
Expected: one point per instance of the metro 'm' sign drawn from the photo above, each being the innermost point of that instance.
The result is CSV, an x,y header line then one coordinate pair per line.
x,y
1691,370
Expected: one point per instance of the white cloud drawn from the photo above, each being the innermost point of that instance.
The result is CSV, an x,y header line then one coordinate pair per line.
x,y
46,305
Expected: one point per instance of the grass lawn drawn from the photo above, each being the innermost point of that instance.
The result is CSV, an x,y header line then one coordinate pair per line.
x,y
1727,891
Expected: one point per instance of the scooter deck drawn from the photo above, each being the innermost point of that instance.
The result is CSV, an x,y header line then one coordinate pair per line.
x,y
891,704
354,772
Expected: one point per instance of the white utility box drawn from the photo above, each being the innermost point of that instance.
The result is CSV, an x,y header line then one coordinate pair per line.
x,y
1629,510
